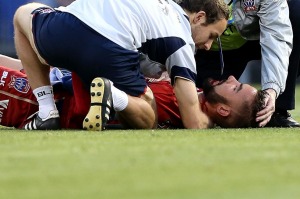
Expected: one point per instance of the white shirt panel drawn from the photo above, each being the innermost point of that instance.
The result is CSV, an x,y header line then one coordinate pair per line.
x,y
130,23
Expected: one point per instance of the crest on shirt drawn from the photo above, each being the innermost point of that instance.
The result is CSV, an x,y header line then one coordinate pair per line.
x,y
248,5
19,83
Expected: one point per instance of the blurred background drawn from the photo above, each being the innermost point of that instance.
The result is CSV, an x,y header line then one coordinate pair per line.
x,y
8,8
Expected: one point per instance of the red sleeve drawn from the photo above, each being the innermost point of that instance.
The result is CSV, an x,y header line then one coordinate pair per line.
x,y
17,101
167,107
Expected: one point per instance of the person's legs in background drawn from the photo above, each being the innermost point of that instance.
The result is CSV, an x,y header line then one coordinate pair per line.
x,y
286,101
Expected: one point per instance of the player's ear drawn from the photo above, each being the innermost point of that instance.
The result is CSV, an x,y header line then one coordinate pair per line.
x,y
223,110
199,16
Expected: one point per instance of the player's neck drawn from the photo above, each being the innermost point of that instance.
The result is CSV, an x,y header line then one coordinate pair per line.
x,y
202,102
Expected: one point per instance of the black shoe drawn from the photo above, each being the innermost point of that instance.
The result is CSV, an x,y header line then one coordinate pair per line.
x,y
282,119
52,122
101,103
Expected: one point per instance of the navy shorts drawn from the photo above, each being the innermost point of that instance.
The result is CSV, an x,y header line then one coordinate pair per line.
x,y
65,41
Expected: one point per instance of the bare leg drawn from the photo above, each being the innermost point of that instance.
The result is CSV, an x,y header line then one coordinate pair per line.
x,y
37,73
140,113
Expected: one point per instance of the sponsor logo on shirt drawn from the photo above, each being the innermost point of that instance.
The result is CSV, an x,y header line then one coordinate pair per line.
x,y
19,83
44,10
3,77
3,106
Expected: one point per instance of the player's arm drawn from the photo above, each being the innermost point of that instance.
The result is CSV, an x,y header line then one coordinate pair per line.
x,y
187,98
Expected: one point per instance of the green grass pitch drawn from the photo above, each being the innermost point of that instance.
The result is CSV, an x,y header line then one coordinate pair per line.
x,y
151,164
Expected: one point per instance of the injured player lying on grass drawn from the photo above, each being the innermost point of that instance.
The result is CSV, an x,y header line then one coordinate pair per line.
x,y
227,103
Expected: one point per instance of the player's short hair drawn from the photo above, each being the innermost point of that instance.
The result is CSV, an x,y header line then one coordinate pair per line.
x,y
246,117
215,9
257,105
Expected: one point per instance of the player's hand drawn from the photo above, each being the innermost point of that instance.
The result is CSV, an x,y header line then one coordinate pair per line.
x,y
264,116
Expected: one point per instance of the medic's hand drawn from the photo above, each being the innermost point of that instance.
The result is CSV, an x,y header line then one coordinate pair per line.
x,y
264,116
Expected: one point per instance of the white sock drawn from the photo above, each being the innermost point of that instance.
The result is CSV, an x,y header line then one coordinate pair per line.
x,y
45,98
120,99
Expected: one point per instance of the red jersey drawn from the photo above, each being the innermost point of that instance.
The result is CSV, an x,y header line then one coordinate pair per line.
x,y
18,103
166,103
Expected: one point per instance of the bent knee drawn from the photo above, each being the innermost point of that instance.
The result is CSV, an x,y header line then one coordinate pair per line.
x,y
22,16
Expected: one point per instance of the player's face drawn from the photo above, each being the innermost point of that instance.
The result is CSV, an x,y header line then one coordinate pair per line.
x,y
204,35
234,91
